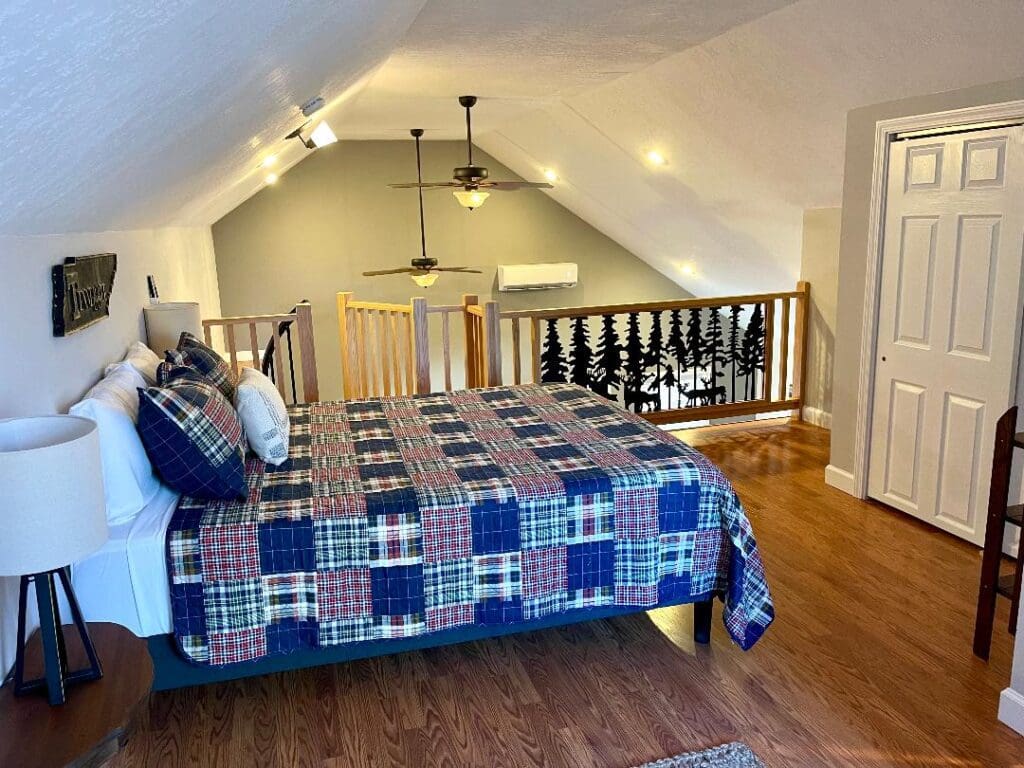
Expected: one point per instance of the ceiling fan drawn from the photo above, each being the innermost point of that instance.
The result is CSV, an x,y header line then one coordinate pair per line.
x,y
423,270
470,181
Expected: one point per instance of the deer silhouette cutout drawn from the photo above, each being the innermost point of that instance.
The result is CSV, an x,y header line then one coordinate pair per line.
x,y
709,395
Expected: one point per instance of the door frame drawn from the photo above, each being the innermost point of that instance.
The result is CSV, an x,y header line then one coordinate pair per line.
x,y
885,133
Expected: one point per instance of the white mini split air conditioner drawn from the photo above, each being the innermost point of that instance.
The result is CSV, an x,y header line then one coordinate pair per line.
x,y
536,277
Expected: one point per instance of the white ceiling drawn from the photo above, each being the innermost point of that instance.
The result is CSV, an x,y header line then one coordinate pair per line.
x,y
124,114
132,114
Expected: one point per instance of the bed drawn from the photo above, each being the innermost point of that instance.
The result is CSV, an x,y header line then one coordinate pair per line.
x,y
409,522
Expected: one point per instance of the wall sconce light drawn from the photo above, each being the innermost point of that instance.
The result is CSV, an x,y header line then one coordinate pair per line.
x,y
321,136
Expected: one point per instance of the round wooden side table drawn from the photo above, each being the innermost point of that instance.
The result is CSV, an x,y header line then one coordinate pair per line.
x,y
90,727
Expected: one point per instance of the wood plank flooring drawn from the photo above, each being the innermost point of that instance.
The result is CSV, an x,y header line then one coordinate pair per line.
x,y
868,663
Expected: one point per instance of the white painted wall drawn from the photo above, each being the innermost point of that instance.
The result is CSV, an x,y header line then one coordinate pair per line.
x,y
819,265
42,374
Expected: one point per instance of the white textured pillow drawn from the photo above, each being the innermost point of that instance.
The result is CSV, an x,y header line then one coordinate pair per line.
x,y
143,359
128,479
263,415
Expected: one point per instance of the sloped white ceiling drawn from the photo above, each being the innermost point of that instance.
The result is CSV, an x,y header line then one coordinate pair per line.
x,y
753,124
135,114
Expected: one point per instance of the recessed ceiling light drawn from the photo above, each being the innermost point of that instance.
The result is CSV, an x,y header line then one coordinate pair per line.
x,y
688,270
269,160
271,178
654,157
550,175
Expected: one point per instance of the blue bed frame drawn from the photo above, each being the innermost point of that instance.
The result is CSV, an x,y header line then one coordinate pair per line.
x,y
172,670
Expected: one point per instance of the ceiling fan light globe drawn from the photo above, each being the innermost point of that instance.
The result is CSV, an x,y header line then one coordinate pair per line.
x,y
425,280
471,198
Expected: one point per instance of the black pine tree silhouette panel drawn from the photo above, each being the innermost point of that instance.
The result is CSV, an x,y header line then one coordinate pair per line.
x,y
734,346
694,346
552,359
716,358
752,350
677,348
580,354
608,360
655,358
633,393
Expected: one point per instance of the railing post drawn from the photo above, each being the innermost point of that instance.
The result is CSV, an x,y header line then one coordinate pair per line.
x,y
347,387
469,324
492,344
307,349
803,312
535,349
421,344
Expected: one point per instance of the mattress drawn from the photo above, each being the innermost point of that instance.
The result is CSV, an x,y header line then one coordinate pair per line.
x,y
125,582
400,517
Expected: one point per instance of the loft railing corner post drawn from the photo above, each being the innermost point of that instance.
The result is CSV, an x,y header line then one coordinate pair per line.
x,y
343,336
471,353
492,343
307,348
800,339
421,344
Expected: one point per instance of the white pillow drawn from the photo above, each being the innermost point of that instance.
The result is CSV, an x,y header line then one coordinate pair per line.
x,y
263,415
128,479
143,359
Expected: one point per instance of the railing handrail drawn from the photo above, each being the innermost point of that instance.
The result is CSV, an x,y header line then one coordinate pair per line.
x,y
648,306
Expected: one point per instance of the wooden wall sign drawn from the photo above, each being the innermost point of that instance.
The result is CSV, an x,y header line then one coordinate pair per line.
x,y
81,291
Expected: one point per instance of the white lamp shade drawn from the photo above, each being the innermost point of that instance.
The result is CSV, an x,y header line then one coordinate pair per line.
x,y
52,510
165,322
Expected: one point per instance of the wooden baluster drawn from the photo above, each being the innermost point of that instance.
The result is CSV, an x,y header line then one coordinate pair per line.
x,y
800,343
279,361
307,350
784,351
517,363
446,344
232,348
396,364
254,347
364,384
207,334
421,344
535,347
769,348
410,377
385,358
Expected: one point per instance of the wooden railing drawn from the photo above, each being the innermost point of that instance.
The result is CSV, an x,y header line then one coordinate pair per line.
x,y
271,328
671,361
736,355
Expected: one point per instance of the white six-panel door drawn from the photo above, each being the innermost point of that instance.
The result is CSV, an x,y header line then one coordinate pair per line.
x,y
948,324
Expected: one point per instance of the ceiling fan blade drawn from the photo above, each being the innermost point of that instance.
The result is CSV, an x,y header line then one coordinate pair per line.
x,y
398,271
511,186
425,185
458,269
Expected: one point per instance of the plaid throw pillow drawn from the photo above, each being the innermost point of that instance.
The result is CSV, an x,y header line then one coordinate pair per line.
x,y
193,353
193,438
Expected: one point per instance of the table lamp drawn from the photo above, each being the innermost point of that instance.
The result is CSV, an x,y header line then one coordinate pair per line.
x,y
52,513
165,322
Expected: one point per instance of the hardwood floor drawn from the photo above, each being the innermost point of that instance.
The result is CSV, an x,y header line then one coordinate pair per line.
x,y
868,663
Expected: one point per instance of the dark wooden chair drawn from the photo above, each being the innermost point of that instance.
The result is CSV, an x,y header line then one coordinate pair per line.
x,y
1000,514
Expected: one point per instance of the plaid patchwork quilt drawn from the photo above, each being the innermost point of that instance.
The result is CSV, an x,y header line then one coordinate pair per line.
x,y
397,517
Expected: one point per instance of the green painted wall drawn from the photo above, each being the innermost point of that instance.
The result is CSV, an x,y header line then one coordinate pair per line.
x,y
332,216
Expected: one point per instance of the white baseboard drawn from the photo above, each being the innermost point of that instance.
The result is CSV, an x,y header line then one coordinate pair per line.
x,y
1011,709
817,417
839,479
